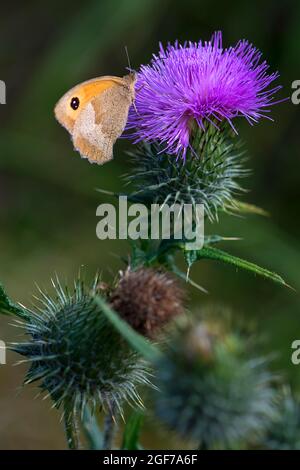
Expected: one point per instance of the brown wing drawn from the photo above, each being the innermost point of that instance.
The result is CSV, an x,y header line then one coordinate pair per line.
x,y
85,92
101,122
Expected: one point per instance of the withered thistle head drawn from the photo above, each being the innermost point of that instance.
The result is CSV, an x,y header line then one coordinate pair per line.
x,y
147,300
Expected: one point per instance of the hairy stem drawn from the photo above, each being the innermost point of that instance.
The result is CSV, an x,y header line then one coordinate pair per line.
x,y
91,430
109,428
70,426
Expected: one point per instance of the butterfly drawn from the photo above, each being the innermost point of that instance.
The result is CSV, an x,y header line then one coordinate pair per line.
x,y
95,113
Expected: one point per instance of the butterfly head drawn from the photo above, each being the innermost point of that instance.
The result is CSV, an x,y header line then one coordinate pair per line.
x,y
130,81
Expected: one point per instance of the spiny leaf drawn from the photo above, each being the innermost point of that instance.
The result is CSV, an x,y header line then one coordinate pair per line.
x,y
8,307
219,255
132,432
245,208
137,341
212,239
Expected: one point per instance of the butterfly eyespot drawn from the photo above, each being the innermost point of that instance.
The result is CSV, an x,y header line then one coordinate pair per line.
x,y
74,103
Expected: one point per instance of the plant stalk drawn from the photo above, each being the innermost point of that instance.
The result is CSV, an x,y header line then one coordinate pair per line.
x,y
70,426
109,428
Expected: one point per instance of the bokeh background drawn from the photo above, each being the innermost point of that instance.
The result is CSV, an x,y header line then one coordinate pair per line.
x,y
47,193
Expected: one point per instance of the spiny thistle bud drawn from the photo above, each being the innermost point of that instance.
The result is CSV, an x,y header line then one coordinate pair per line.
x,y
147,300
284,431
209,176
77,354
210,392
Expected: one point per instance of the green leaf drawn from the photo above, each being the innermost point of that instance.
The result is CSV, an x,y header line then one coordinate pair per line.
x,y
132,432
137,341
8,307
219,255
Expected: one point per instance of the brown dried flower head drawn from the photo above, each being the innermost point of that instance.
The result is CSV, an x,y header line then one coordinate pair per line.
x,y
147,300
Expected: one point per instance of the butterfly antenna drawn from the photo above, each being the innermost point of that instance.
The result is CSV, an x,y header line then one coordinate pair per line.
x,y
128,59
130,70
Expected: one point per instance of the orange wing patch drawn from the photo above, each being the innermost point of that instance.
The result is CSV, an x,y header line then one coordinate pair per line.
x,y
95,114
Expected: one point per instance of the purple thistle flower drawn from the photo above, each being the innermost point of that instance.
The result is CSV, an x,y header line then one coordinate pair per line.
x,y
202,83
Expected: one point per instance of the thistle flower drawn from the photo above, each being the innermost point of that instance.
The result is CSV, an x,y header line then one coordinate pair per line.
x,y
196,83
77,355
210,391
147,300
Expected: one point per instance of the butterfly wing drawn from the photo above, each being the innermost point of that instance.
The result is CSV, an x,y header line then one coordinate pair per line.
x,y
101,122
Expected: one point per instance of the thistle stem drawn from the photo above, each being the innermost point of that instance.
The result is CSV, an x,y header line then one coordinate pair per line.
x,y
70,426
91,430
109,428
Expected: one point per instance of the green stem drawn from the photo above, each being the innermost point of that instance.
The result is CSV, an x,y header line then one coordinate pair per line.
x,y
91,430
109,429
70,426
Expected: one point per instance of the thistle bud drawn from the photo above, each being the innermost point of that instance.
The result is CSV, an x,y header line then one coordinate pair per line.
x,y
210,391
284,431
77,355
210,176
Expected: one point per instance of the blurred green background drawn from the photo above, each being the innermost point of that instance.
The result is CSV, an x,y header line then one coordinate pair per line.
x,y
47,193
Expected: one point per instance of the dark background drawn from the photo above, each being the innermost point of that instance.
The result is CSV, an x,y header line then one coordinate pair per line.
x,y
47,193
